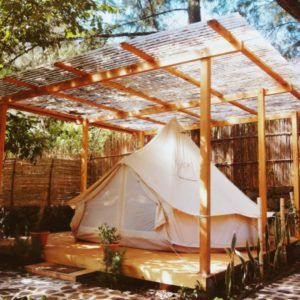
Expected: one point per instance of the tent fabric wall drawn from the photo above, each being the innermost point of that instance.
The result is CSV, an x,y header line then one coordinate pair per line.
x,y
152,197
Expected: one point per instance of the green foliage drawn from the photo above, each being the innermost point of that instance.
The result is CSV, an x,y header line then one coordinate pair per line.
x,y
30,137
281,29
108,235
191,294
25,136
25,25
250,272
23,219
113,260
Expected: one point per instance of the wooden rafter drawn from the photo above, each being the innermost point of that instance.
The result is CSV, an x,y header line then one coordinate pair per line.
x,y
138,52
120,113
127,90
61,95
45,112
231,121
119,87
148,111
228,36
67,117
64,116
136,68
113,127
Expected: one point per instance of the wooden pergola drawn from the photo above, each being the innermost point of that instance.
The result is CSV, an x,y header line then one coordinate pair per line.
x,y
215,73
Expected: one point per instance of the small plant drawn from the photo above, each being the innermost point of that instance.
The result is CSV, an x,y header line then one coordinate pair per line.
x,y
250,272
108,235
113,260
191,294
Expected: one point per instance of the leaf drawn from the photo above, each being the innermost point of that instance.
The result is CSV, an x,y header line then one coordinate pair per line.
x,y
233,242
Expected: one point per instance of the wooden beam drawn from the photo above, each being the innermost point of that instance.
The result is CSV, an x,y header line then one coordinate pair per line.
x,y
262,162
84,155
133,92
230,122
70,69
3,113
120,72
62,95
295,145
182,75
125,89
112,127
205,157
141,139
120,114
227,35
72,98
253,93
45,112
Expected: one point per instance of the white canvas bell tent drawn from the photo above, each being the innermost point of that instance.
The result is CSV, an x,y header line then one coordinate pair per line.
x,y
152,197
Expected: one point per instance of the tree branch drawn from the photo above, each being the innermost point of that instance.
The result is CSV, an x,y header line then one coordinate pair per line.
x,y
18,55
152,16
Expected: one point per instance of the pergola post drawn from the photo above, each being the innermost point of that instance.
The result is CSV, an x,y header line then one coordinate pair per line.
x,y
3,111
141,139
205,155
295,146
84,155
262,165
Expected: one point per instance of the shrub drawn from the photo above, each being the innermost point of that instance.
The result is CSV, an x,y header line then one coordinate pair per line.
x,y
56,218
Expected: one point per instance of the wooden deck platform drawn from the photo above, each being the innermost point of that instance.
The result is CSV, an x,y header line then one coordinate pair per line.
x,y
171,268
69,273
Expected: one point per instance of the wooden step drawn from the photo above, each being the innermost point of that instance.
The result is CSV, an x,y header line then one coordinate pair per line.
x,y
59,271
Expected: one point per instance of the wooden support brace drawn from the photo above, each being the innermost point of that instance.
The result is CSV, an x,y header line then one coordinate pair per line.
x,y
84,155
205,156
295,145
141,140
262,167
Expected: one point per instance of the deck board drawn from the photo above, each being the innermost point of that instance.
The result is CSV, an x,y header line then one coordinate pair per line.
x,y
179,269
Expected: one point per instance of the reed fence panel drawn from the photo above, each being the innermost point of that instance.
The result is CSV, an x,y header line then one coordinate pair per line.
x,y
234,151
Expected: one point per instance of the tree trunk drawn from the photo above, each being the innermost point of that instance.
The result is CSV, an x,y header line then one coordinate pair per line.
x,y
194,11
291,6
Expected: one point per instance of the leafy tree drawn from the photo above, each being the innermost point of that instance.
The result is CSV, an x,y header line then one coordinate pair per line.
x,y
25,138
31,28
30,137
279,27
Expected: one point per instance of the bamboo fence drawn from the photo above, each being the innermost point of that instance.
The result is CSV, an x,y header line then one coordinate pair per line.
x,y
234,153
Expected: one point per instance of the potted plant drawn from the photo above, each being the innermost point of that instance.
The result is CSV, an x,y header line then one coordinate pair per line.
x,y
39,236
108,236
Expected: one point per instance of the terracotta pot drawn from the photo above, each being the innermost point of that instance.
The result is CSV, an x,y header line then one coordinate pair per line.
x,y
40,237
114,246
